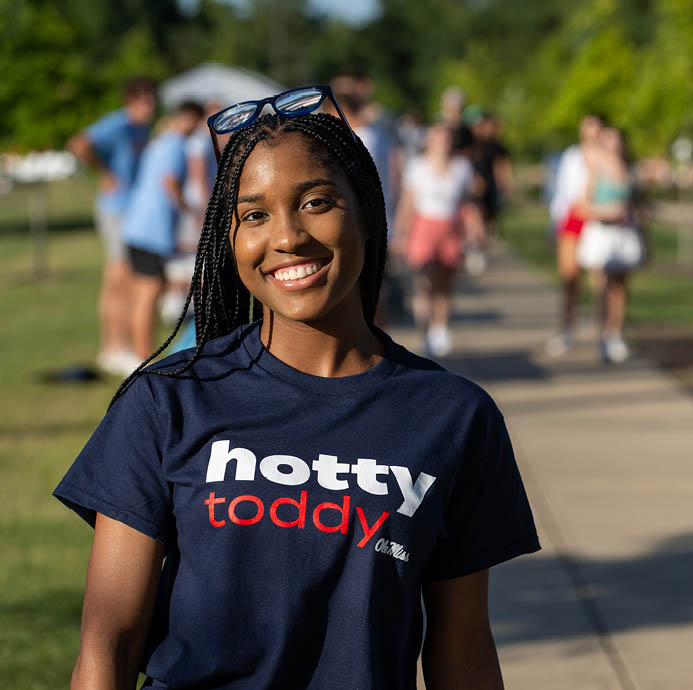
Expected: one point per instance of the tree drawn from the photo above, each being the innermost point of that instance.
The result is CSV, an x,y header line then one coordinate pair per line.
x,y
64,64
540,64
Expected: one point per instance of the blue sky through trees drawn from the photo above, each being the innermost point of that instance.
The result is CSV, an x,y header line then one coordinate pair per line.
x,y
352,11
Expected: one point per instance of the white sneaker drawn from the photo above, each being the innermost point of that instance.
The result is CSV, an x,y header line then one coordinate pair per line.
x,y
614,349
119,363
557,345
475,261
439,341
129,361
107,361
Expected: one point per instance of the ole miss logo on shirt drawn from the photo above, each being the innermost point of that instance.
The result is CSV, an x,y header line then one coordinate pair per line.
x,y
331,474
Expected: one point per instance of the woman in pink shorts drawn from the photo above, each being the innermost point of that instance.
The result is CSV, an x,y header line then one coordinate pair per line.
x,y
428,232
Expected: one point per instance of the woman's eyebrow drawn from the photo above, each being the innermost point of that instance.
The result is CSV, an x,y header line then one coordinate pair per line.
x,y
299,187
250,199
309,184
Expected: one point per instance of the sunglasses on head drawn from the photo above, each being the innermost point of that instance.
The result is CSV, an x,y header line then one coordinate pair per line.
x,y
292,103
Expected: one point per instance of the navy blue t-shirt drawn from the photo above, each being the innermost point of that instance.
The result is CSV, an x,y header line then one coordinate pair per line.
x,y
301,514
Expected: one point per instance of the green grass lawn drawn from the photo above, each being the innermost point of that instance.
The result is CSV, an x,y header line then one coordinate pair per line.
x,y
46,325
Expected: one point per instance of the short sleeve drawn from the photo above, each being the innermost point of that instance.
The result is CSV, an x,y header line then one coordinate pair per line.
x,y
488,519
104,133
174,163
119,472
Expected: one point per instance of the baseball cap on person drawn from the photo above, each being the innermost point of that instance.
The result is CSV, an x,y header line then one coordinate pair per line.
x,y
473,114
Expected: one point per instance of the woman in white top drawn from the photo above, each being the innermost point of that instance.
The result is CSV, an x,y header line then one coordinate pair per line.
x,y
428,231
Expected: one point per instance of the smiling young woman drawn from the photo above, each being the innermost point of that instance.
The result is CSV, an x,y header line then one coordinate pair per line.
x,y
302,478
299,248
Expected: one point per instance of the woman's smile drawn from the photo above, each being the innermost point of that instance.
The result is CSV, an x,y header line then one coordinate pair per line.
x,y
300,274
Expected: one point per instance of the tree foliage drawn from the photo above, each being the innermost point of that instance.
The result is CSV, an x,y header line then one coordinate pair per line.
x,y
62,63
540,64
545,64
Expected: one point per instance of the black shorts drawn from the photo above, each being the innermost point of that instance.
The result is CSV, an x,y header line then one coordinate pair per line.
x,y
146,263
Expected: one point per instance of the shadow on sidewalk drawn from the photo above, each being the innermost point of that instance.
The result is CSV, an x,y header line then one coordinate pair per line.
x,y
654,589
510,365
521,365
466,315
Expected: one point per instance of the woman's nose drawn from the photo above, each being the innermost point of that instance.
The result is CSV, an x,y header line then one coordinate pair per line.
x,y
288,232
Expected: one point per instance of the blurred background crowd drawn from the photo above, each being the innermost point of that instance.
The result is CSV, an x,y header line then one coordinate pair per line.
x,y
563,129
509,83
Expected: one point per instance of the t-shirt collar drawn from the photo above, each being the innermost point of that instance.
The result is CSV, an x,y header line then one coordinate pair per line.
x,y
340,385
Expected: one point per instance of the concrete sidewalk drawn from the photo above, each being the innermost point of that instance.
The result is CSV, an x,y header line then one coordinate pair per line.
x,y
606,452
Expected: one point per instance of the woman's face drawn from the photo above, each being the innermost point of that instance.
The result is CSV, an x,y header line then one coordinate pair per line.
x,y
439,140
610,140
299,247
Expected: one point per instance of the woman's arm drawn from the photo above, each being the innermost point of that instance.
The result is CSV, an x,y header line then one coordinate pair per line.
x,y
459,652
613,211
122,579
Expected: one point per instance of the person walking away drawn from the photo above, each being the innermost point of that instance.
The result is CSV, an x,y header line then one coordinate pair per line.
x,y
151,220
571,184
610,210
113,146
428,232
491,161
452,104
201,171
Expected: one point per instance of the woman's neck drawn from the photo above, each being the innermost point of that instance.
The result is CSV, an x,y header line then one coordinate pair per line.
x,y
327,348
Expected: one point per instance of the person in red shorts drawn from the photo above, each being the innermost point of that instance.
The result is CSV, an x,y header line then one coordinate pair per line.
x,y
571,187
428,232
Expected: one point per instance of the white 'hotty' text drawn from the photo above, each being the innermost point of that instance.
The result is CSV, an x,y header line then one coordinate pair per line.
x,y
331,474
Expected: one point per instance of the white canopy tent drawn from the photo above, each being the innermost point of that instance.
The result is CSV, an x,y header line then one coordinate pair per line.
x,y
212,81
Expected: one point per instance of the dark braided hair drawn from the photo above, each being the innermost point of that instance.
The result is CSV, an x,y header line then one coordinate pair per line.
x,y
222,302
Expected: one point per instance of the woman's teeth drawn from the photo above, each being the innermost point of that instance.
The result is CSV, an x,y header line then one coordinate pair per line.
x,y
296,272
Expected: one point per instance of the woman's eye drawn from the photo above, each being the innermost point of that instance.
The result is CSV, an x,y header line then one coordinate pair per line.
x,y
253,216
321,203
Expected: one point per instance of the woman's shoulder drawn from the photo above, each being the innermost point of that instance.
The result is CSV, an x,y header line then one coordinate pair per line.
x,y
216,356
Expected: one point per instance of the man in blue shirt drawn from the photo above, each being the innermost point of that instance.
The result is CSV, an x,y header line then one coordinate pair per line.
x,y
113,146
151,220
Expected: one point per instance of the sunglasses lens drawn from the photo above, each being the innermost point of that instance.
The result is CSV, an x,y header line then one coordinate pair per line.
x,y
228,120
299,101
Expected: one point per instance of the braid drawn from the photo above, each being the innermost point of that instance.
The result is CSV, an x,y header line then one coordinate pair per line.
x,y
222,303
